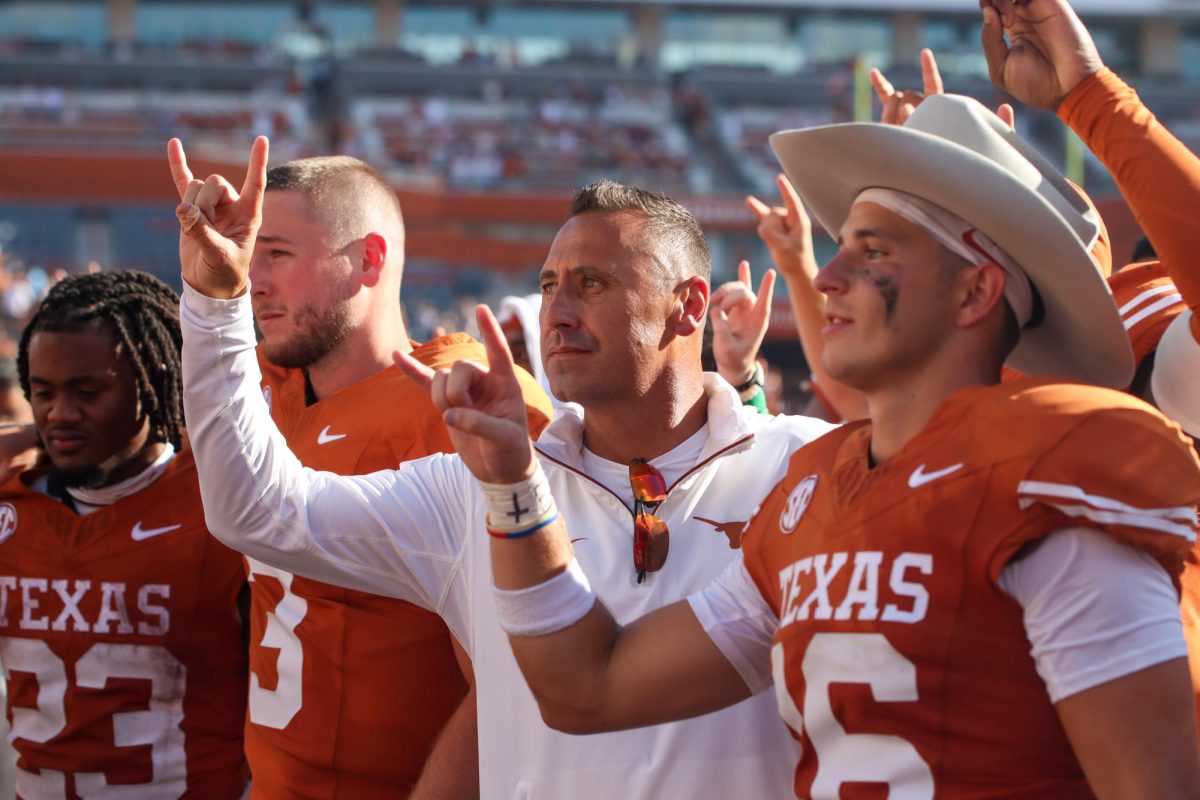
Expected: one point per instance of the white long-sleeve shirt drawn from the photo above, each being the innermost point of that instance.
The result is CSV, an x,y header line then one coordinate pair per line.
x,y
417,533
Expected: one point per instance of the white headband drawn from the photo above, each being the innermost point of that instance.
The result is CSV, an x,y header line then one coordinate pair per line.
x,y
960,238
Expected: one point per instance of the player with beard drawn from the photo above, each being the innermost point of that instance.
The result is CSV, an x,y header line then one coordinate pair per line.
x,y
349,690
121,635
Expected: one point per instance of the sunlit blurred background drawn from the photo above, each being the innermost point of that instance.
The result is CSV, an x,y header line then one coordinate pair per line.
x,y
485,115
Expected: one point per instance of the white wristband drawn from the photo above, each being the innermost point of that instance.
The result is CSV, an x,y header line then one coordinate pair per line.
x,y
517,506
547,608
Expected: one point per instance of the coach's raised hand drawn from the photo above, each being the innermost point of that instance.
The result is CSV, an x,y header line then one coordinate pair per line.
x,y
482,406
217,224
1049,52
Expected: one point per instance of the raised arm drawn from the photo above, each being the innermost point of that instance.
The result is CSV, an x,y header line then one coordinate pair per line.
x,y
1053,64
587,673
392,533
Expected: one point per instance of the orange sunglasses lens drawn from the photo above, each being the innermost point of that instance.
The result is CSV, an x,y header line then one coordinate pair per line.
x,y
650,544
649,487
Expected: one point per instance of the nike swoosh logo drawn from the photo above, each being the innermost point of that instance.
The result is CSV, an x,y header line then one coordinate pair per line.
x,y
325,437
140,534
920,477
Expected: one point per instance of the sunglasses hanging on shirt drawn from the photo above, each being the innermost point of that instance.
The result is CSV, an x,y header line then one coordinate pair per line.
x,y
651,538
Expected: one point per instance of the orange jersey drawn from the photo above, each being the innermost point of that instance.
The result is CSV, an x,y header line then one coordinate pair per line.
x,y
122,645
1148,301
349,689
899,660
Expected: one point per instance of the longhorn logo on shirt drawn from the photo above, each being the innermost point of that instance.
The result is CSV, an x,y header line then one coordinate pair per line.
x,y
8,521
797,504
731,530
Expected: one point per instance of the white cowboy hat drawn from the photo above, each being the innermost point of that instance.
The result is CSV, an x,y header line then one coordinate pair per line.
x,y
957,154
1175,381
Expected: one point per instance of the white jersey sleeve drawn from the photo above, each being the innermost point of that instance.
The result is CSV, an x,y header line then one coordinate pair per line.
x,y
1082,633
736,617
400,533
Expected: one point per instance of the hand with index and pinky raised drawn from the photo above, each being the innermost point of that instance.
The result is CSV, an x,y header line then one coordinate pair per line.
x,y
786,231
218,224
740,319
899,105
483,407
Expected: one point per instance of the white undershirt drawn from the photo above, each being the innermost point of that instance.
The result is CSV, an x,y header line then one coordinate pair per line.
x,y
671,464
1082,630
89,500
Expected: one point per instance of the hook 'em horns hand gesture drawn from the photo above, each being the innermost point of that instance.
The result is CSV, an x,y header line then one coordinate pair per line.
x,y
482,407
217,224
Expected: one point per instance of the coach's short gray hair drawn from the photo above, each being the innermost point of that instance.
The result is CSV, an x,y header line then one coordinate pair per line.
x,y
666,220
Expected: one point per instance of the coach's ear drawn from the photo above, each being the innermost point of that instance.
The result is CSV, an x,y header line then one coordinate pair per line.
x,y
691,306
374,256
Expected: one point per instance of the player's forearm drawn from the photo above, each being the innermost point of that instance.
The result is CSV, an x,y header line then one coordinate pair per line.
x,y
1158,176
808,307
452,770
1135,737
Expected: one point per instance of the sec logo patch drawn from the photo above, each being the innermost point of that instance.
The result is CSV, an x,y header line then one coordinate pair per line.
x,y
8,520
797,504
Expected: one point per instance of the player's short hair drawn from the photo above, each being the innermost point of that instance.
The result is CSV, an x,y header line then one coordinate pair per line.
x,y
142,314
666,220
345,193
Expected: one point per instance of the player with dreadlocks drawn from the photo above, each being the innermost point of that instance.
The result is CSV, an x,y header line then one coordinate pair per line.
x,y
120,632
140,314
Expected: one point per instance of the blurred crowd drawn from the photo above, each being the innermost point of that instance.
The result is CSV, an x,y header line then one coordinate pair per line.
x,y
22,287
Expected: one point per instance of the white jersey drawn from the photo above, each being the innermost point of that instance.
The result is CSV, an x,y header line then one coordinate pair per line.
x,y
417,533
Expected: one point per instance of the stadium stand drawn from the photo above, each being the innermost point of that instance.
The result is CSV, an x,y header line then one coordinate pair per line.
x,y
461,102
556,142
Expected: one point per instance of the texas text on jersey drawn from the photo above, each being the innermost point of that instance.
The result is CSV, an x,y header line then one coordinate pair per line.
x,y
122,645
899,660
350,689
